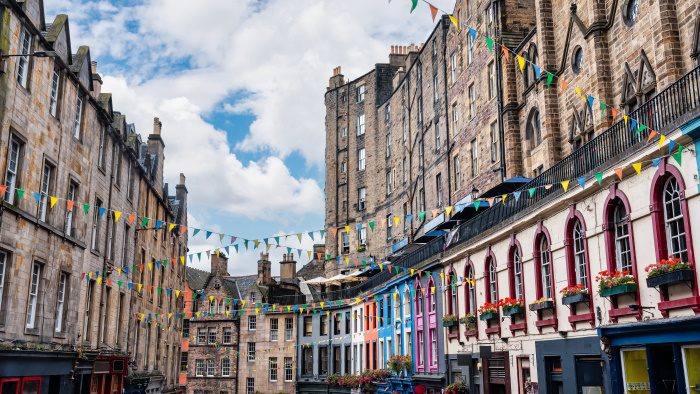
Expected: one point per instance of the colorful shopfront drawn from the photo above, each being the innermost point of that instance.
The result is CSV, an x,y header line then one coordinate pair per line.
x,y
661,356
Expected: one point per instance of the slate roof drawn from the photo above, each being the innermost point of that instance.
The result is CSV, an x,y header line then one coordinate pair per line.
x,y
244,283
232,287
197,278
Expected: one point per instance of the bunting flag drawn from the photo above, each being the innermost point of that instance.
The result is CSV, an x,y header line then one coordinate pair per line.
x,y
53,201
565,185
414,4
433,11
117,215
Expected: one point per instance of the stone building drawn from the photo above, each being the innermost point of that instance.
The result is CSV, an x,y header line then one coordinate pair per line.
x,y
268,332
72,167
213,341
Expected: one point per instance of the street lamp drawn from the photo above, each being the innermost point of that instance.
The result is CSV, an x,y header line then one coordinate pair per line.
x,y
4,56
474,193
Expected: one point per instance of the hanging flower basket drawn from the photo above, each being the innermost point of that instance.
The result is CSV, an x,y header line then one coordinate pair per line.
x,y
543,304
449,321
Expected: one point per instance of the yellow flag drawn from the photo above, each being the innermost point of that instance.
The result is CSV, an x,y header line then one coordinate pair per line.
x,y
99,280
140,286
142,316
347,261
53,201
257,310
521,63
242,303
624,117
503,198
211,298
412,271
347,229
308,253
177,293
448,209
182,260
227,313
397,220
432,289
454,21
150,266
662,139
117,215
637,167
565,185
171,227
170,315
381,267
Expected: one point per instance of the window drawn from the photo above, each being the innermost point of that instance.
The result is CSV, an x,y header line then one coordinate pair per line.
x,y
45,189
474,152
458,174
343,132
579,253
420,110
183,361
227,336
388,145
621,226
337,361
323,360
381,313
129,181
389,227
453,67
363,236
212,336
274,329
343,167
96,224
288,329
251,351
438,189
631,12
308,326
112,236
78,119
212,305
472,101
437,136
436,94
470,49
421,199
307,366
201,336
15,152
433,346
361,198
577,60
3,275
387,113
435,47
420,300
389,182
34,288
250,385
360,124
361,93
404,170
534,128
494,142
470,290
252,323
492,280
25,49
288,369
346,242
421,347
419,72
225,366
545,267
406,304
199,368
117,165
533,61
517,273
492,80
490,20
53,99
324,325
673,220
361,159
125,245
60,297
421,153
452,307
101,149
273,369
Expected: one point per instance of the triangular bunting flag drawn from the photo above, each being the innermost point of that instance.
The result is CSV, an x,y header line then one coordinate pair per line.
x,y
678,155
637,167
489,43
582,181
521,62
117,215
532,191
433,11
52,201
414,4
565,185
618,171
454,21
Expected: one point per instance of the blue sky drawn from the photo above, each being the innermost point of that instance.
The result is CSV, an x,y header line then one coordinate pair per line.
x,y
239,86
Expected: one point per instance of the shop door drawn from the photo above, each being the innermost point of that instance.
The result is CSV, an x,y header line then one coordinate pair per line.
x,y
663,369
589,375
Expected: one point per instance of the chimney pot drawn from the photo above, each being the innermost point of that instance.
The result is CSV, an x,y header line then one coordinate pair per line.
x,y
182,179
93,67
157,125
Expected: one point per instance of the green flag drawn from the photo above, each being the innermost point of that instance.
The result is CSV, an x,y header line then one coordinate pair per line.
x,y
532,191
550,77
602,108
86,208
678,154
477,203
371,225
144,222
414,5
489,43
20,194
421,215
599,177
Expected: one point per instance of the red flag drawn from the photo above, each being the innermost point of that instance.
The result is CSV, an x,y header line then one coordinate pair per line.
x,y
506,53
613,111
618,171
433,11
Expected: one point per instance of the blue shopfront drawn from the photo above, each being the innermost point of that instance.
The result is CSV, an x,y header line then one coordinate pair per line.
x,y
659,356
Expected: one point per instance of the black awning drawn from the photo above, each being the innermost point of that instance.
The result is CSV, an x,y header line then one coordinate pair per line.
x,y
508,186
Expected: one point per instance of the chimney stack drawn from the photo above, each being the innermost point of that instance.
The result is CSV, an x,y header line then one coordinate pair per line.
x,y
219,264
337,79
96,80
288,268
157,125
264,270
397,56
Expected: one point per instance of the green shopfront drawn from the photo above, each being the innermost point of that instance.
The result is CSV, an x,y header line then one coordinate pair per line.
x,y
660,356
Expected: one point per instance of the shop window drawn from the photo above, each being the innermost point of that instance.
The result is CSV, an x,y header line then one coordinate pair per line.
x,y
635,375
589,375
555,384
691,366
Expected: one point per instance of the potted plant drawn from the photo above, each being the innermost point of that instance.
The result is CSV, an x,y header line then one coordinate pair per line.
x,y
612,283
542,304
449,321
457,388
669,271
401,365
574,294
469,320
488,311
511,306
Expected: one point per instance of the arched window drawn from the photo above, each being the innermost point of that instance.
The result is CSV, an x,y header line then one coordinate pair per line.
x,y
526,71
534,60
545,267
673,220
221,306
407,303
212,307
491,280
431,295
469,290
621,231
452,307
420,300
518,285
579,253
533,131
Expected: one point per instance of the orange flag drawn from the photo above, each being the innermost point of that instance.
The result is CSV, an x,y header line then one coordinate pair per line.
x,y
651,136
618,171
506,53
69,205
563,85
613,111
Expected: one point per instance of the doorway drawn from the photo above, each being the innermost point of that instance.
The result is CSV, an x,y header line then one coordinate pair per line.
x,y
662,363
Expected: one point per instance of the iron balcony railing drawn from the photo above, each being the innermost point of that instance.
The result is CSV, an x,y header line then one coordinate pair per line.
x,y
675,104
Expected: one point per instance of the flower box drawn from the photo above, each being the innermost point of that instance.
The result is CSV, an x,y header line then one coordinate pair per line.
x,y
542,305
575,299
672,277
449,323
488,316
625,288
516,310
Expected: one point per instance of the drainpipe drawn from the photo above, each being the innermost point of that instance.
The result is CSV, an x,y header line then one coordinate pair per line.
x,y
499,99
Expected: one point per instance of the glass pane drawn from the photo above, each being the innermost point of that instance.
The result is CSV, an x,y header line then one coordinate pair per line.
x,y
691,363
634,370
30,387
10,387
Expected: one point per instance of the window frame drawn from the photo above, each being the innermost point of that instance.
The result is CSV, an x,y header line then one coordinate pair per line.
x,y
35,289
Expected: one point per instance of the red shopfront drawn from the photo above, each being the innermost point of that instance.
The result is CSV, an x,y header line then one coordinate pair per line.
x,y
108,375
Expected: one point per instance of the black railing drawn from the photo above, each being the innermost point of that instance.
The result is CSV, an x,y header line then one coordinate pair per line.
x,y
674,105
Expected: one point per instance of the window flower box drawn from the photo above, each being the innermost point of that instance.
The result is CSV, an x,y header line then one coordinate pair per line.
x,y
488,316
575,298
625,288
542,305
449,321
511,306
516,310
469,320
672,277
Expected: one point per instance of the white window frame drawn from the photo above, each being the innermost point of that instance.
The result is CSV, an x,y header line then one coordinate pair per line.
x,y
23,62
252,323
361,198
226,335
78,118
288,369
458,174
361,90
288,329
518,273
579,254
33,299
13,168
45,190
53,99
60,300
199,368
225,366
3,273
623,251
251,351
491,69
360,124
211,367
453,66
361,159
673,219
274,329
546,268
272,369
472,101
